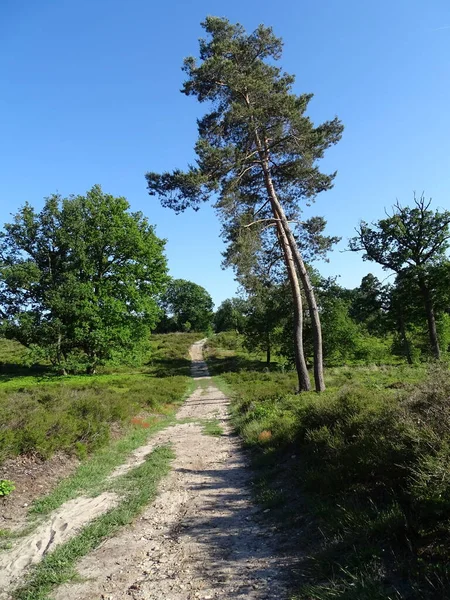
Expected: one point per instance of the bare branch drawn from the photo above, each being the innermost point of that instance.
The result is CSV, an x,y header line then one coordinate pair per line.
x,y
243,172
263,206
271,219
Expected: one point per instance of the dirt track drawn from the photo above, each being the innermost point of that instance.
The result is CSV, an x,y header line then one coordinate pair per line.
x,y
202,537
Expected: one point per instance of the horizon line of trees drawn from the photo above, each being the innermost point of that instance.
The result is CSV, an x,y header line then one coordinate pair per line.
x,y
373,323
409,318
85,281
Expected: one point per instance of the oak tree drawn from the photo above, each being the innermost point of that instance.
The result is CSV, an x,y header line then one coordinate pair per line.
x,y
231,315
412,242
188,304
79,279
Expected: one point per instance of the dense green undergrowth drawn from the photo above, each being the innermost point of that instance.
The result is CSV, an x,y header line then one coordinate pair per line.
x,y
41,412
365,464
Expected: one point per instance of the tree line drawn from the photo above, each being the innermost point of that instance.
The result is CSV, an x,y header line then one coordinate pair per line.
x,y
408,317
85,281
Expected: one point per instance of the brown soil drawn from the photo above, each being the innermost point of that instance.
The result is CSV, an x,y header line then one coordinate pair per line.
x,y
33,477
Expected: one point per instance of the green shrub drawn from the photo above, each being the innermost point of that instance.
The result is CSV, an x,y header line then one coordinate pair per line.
x,y
228,340
6,487
370,456
49,417
75,413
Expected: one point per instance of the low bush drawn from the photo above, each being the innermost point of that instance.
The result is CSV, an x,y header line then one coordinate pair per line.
x,y
170,353
48,417
228,340
369,459
44,414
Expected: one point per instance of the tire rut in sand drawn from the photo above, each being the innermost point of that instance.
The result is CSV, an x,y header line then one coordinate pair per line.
x,y
62,525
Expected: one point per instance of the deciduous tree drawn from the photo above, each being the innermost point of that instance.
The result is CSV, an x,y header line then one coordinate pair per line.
x,y
231,315
412,242
79,279
189,304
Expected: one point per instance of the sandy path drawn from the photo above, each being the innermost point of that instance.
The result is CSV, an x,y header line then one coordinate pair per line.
x,y
62,525
201,538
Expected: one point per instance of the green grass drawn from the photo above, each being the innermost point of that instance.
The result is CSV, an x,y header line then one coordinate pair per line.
x,y
167,357
12,353
91,475
137,488
212,427
89,478
41,412
222,360
78,414
360,472
169,354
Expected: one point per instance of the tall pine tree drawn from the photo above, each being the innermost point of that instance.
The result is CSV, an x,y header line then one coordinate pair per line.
x,y
257,151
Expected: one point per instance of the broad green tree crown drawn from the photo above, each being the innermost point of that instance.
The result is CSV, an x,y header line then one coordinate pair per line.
x,y
413,242
231,315
79,279
411,238
189,305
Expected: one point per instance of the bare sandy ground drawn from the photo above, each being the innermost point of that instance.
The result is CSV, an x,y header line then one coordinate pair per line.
x,y
63,524
201,538
33,477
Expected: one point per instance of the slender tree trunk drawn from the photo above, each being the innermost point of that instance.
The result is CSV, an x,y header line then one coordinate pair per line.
x,y
268,351
58,349
431,320
304,383
309,293
308,289
315,318
404,338
60,356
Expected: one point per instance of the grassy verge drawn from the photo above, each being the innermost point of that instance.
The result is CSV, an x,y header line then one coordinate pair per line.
x,y
89,478
41,413
361,472
77,416
224,353
137,488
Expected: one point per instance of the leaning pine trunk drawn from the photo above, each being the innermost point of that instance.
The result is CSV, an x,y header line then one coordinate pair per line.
x,y
304,384
314,314
308,289
279,214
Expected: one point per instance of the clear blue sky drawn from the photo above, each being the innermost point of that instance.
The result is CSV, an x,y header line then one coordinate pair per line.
x,y
89,93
